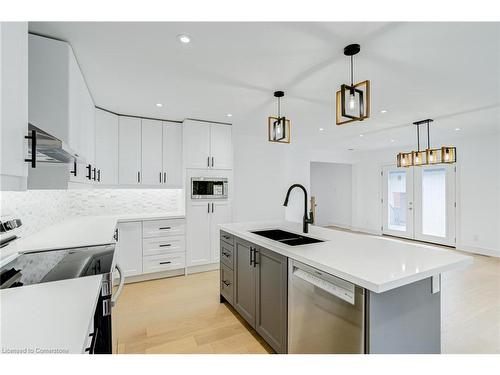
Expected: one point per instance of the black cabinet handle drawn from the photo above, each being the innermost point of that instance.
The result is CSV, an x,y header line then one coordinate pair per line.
x,y
99,175
208,161
116,235
91,349
165,262
139,177
227,255
73,172
94,173
89,171
32,136
212,207
212,161
226,237
251,255
161,228
208,207
164,177
226,283
160,177
255,251
165,245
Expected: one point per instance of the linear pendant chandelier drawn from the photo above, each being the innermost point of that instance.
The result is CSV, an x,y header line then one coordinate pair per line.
x,y
278,127
353,100
429,156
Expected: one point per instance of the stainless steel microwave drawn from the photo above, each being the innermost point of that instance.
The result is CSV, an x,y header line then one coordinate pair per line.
x,y
209,188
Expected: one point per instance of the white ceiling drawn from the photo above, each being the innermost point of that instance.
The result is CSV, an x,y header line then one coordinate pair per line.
x,y
446,71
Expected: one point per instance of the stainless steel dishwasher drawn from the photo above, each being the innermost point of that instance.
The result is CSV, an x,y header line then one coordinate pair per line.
x,y
325,313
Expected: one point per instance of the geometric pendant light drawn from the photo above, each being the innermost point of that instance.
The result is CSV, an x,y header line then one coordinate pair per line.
x,y
278,127
428,156
352,100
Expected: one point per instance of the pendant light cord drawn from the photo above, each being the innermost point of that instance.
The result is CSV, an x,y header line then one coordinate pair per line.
x,y
279,109
352,72
428,136
418,137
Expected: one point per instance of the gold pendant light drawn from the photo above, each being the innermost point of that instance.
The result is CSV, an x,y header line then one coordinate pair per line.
x,y
278,127
430,155
352,101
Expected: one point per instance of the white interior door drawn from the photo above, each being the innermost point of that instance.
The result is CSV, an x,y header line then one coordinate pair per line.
x,y
397,201
434,204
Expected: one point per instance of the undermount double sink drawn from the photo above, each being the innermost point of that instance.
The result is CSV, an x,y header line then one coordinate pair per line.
x,y
288,238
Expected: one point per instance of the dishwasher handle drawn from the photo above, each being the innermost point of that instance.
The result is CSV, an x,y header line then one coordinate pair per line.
x,y
346,291
115,296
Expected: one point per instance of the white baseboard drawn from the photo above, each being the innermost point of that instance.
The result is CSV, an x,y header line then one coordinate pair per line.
x,y
203,268
153,276
478,250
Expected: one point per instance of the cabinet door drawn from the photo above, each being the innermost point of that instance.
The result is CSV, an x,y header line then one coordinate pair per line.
x,y
129,150
129,248
198,233
196,140
271,298
221,147
13,104
151,152
244,282
221,214
106,146
172,154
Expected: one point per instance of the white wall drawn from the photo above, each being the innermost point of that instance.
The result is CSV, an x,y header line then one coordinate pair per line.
x,y
478,192
331,184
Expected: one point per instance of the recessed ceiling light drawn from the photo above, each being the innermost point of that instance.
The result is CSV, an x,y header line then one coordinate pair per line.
x,y
361,135
350,149
229,115
159,105
184,38
457,129
321,129
383,111
392,140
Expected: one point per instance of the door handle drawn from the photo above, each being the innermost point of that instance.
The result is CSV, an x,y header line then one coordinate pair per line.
x,y
89,172
212,161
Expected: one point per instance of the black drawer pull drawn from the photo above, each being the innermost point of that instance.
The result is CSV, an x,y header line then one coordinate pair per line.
x,y
226,254
165,262
165,245
226,283
161,228
226,237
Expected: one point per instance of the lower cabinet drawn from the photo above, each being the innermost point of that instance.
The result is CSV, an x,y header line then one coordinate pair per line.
x,y
129,248
258,288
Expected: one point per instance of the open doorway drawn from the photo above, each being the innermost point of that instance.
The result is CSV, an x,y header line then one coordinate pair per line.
x,y
331,194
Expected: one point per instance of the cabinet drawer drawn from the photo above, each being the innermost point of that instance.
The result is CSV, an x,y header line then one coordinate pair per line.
x,y
163,245
158,263
226,283
160,228
226,254
226,237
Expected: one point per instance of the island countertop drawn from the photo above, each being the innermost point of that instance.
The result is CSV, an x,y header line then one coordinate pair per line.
x,y
376,263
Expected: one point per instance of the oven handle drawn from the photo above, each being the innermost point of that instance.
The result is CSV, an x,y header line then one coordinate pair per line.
x,y
115,296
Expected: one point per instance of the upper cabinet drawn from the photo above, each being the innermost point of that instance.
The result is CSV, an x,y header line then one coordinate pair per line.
x,y
13,104
172,154
106,147
129,150
152,160
207,145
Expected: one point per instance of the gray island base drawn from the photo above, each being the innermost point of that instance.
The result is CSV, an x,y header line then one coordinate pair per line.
x,y
255,281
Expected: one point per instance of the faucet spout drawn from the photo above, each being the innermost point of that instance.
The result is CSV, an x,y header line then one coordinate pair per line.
x,y
306,219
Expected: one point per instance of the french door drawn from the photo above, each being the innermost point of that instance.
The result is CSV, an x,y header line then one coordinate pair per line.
x,y
419,203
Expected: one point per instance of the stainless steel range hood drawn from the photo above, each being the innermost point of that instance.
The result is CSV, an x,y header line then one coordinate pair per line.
x,y
48,149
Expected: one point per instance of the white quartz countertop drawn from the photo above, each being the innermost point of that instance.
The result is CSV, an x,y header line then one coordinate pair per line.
x,y
372,262
49,316
83,231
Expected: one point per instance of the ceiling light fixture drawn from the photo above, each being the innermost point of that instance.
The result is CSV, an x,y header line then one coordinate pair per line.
x,y
361,135
184,38
159,105
229,115
457,129
429,155
383,111
353,100
321,129
392,141
278,127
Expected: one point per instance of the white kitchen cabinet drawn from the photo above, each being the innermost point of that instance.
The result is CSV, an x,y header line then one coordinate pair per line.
x,y
106,146
221,149
129,248
221,214
172,154
207,145
196,142
198,233
203,238
151,161
129,150
13,104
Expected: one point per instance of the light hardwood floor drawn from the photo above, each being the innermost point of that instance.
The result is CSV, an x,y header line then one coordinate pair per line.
x,y
183,315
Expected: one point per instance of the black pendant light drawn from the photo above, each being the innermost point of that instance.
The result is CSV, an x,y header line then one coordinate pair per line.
x,y
278,126
352,100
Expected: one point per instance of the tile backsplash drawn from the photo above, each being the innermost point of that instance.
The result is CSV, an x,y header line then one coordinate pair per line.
x,y
41,208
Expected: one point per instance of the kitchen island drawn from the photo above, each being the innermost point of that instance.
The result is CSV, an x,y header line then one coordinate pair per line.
x,y
391,293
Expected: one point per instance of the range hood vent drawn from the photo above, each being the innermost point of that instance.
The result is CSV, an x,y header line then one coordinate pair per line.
x,y
45,148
